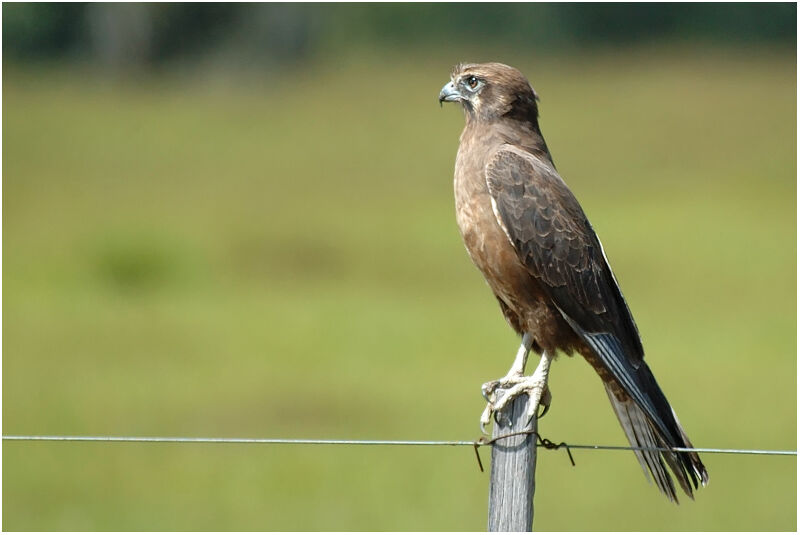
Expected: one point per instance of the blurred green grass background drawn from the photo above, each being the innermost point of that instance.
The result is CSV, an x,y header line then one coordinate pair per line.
x,y
279,258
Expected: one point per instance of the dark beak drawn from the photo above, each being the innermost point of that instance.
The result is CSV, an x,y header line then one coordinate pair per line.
x,y
449,93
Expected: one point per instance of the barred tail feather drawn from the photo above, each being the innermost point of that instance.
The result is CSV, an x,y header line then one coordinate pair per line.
x,y
646,416
697,466
642,432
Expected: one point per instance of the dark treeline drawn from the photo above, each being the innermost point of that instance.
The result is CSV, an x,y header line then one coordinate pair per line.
x,y
119,35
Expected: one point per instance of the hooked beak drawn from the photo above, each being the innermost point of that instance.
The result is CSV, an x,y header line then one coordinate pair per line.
x,y
449,93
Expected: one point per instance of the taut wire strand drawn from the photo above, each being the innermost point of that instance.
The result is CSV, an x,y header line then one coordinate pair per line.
x,y
309,441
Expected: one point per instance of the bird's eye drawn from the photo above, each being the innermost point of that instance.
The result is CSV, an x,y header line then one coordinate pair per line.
x,y
472,82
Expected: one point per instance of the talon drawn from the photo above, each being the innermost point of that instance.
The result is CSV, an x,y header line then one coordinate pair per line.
x,y
486,417
487,390
532,410
547,398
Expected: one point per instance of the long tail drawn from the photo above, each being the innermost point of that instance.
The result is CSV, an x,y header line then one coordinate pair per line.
x,y
645,414
643,433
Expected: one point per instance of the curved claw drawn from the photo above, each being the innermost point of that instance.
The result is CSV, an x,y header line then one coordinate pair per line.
x,y
488,389
547,398
486,417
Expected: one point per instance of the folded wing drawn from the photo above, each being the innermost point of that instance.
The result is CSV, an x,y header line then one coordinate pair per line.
x,y
554,240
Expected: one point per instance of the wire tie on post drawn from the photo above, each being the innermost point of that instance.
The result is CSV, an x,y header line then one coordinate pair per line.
x,y
546,443
550,445
477,444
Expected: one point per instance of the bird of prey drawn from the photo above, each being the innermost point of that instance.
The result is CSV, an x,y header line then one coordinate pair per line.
x,y
529,237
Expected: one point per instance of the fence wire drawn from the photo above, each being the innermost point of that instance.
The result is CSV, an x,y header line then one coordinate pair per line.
x,y
339,442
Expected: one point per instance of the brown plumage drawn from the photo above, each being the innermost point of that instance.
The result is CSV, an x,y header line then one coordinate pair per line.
x,y
527,234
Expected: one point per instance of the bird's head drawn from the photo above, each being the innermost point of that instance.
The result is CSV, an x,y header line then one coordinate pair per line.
x,y
489,91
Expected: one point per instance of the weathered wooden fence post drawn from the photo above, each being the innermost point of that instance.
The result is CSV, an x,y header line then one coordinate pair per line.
x,y
511,483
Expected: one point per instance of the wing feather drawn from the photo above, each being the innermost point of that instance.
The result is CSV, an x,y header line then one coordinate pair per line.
x,y
555,241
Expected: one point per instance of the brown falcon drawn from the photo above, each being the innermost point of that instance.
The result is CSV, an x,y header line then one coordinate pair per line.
x,y
526,232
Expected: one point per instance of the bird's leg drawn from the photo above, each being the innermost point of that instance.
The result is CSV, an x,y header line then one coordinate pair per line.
x,y
517,369
515,383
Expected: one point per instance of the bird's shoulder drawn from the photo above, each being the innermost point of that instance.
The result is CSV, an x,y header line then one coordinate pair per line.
x,y
535,197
